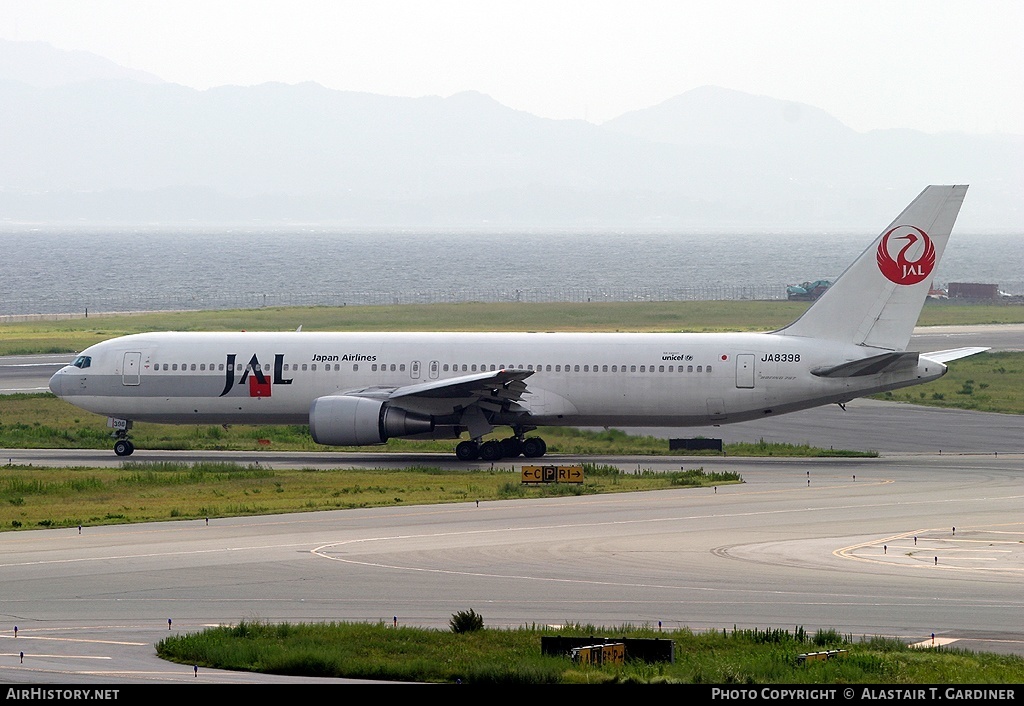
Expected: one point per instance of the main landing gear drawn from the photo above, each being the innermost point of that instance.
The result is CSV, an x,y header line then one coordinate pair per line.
x,y
494,450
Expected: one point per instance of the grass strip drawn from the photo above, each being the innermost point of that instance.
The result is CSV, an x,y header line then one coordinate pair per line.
x,y
383,651
32,498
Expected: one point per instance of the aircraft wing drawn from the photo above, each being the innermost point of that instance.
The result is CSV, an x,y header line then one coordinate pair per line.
x,y
501,386
507,384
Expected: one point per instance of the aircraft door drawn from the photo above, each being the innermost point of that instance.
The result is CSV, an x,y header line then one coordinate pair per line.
x,y
414,370
131,369
745,370
434,369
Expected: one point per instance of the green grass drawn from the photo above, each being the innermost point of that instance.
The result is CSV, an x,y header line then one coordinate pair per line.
x,y
31,498
513,656
987,382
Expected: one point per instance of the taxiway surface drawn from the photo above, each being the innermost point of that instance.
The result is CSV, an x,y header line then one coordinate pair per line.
x,y
863,546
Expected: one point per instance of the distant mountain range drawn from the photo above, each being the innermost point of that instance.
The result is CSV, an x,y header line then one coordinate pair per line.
x,y
87,142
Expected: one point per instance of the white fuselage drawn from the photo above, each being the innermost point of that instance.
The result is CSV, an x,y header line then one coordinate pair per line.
x,y
610,379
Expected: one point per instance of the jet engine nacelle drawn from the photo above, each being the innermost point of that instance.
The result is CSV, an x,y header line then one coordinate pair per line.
x,y
344,420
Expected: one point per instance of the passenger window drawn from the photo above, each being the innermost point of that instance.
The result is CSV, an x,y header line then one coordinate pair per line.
x,y
313,366
689,368
355,367
707,369
632,368
303,367
698,369
643,368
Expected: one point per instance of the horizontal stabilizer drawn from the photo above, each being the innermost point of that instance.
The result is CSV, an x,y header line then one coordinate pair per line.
x,y
952,354
875,365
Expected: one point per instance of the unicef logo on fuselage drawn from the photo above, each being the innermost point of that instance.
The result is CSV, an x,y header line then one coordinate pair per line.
x,y
913,262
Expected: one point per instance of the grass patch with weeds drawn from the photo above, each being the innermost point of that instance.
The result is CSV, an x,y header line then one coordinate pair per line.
x,y
146,492
513,656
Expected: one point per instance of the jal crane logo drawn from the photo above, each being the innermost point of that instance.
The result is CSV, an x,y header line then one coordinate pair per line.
x,y
902,269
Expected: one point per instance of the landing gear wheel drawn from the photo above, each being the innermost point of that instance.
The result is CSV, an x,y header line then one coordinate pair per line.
x,y
490,450
467,451
511,447
534,447
123,447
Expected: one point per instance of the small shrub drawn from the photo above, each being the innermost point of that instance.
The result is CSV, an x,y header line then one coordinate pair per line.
x,y
466,621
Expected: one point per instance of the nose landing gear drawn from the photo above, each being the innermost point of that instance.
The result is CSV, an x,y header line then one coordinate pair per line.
x,y
123,445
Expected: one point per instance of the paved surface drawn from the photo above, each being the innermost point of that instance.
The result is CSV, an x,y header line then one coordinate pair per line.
x,y
826,544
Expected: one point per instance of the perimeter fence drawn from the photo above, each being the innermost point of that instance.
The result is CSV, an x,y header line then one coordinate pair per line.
x,y
199,300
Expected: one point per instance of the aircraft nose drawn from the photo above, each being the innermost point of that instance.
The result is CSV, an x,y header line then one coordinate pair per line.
x,y
56,382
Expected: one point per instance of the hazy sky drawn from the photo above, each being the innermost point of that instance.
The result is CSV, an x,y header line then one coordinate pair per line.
x,y
932,65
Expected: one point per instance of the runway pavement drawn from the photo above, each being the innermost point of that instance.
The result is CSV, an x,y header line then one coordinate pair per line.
x,y
29,373
866,547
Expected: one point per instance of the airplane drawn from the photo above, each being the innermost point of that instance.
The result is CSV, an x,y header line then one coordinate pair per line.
x,y
357,389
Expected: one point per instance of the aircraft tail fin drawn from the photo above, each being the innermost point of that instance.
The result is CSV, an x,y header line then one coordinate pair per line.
x,y
877,300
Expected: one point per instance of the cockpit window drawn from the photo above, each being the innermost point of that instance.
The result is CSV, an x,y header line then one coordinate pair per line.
x,y
83,361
